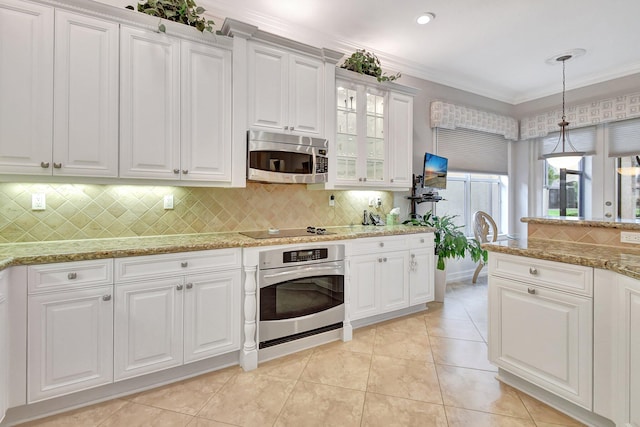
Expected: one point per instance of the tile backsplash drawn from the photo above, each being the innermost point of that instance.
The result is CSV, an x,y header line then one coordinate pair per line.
x,y
86,211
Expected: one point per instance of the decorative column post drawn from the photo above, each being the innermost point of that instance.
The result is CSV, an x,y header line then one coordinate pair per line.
x,y
249,354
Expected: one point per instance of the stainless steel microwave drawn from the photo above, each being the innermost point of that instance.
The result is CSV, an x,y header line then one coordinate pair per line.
x,y
284,158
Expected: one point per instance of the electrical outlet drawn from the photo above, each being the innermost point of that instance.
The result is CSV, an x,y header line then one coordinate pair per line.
x,y
378,202
629,237
38,202
168,201
372,201
332,200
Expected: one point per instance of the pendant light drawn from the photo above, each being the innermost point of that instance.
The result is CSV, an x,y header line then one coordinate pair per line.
x,y
564,159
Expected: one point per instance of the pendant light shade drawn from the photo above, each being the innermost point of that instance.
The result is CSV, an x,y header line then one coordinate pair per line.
x,y
565,159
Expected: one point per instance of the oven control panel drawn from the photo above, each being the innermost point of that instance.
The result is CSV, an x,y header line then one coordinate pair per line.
x,y
305,255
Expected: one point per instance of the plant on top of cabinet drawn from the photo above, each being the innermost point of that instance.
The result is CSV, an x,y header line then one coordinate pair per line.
x,y
181,11
364,62
449,241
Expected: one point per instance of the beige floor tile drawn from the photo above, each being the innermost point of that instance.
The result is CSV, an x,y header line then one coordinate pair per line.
x,y
402,345
412,324
543,413
452,328
459,417
338,368
248,400
410,379
387,411
483,328
288,367
462,353
453,309
479,390
134,415
362,341
313,404
85,417
188,396
203,422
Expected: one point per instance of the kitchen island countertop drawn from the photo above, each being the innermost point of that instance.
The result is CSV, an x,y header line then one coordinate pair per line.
x,y
87,249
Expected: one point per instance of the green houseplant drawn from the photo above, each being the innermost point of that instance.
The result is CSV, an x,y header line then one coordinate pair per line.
x,y
181,11
449,241
364,62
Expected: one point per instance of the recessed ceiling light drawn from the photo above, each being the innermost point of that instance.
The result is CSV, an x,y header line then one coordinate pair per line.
x,y
425,18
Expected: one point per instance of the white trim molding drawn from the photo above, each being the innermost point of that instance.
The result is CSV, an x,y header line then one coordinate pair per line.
x,y
450,116
603,111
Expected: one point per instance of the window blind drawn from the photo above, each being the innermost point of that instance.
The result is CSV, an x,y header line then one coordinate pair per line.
x,y
583,139
473,151
624,138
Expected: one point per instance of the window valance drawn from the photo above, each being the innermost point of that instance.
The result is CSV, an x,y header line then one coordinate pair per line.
x,y
603,111
450,116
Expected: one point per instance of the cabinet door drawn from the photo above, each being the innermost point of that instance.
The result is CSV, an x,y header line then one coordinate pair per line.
x,y
394,280
306,95
70,342
206,113
347,129
26,87
85,129
374,145
211,314
364,293
149,105
630,350
148,327
268,77
400,140
543,336
421,275
4,347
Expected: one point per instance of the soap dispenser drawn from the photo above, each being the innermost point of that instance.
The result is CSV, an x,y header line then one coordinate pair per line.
x,y
365,218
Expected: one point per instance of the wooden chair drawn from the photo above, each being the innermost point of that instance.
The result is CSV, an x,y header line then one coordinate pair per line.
x,y
484,230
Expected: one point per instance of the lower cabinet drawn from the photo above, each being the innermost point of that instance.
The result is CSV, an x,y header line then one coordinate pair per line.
x,y
421,269
4,346
629,350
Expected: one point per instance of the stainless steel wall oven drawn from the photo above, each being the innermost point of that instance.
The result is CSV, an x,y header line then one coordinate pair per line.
x,y
301,293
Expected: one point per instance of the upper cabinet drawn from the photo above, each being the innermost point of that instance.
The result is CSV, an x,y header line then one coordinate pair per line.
x,y
374,134
286,91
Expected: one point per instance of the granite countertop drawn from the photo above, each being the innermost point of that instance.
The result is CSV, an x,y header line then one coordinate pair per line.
x,y
622,224
621,260
77,250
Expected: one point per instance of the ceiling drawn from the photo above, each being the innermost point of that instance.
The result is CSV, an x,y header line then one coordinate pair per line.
x,y
494,48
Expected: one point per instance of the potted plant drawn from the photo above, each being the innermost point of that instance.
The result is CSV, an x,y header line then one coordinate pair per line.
x,y
182,11
364,62
449,242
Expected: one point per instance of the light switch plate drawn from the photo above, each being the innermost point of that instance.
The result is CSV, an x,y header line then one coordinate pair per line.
x,y
38,202
168,201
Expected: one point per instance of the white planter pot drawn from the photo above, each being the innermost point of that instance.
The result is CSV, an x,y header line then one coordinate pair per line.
x,y
440,284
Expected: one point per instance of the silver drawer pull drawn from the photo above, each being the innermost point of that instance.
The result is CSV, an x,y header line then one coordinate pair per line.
x,y
382,244
189,285
44,165
57,165
176,171
531,291
72,276
179,287
185,171
184,264
533,271
106,298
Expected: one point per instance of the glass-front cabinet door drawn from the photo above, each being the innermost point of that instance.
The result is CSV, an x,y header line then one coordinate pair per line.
x,y
360,134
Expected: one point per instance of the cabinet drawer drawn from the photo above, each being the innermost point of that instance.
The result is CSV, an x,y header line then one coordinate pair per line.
x,y
419,241
143,267
69,275
378,245
566,277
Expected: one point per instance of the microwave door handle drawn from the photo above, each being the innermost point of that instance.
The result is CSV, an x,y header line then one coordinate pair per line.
x,y
314,166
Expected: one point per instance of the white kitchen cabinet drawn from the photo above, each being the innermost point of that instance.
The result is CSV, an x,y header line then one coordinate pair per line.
x,y
149,104
205,143
421,269
70,328
4,346
400,140
85,128
286,91
148,327
364,295
629,349
394,281
539,332
26,87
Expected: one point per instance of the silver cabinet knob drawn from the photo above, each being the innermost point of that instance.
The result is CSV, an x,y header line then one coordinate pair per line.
x,y
57,165
531,291
360,179
391,180
185,171
184,264
608,215
286,128
533,271
176,171
379,259
189,285
292,128
44,165
364,179
421,240
384,260
179,287
106,297
413,256
72,276
382,244
607,203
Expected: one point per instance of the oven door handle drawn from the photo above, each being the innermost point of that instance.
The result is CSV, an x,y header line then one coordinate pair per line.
x,y
267,279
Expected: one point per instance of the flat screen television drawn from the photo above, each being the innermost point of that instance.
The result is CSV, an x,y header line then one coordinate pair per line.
x,y
435,171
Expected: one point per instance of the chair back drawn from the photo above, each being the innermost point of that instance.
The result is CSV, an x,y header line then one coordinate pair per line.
x,y
484,227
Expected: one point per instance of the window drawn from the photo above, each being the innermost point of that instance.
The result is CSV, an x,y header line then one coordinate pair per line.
x,y
467,193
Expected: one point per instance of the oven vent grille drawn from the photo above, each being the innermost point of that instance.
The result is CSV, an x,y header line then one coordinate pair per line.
x,y
316,331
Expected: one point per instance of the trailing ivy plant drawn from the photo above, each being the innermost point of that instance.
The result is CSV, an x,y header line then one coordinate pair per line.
x,y
182,11
364,62
449,241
